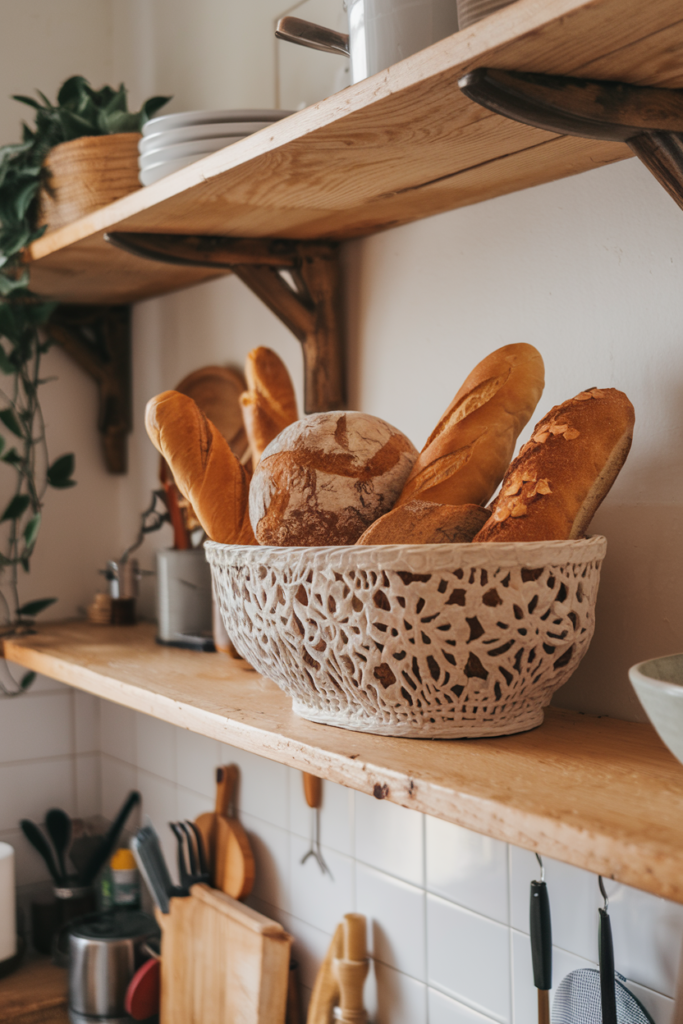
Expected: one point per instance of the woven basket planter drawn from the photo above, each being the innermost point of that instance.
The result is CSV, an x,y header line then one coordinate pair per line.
x,y
86,174
434,640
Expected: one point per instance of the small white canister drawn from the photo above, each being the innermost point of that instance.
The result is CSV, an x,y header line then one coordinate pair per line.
x,y
8,912
184,599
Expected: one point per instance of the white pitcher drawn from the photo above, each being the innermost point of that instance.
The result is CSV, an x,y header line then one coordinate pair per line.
x,y
381,32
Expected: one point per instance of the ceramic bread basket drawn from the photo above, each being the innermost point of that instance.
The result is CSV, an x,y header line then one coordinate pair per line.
x,y
433,640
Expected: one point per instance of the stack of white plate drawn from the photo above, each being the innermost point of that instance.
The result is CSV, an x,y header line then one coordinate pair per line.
x,y
176,140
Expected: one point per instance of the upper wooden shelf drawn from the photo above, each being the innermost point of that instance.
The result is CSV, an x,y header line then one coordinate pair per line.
x,y
394,148
599,793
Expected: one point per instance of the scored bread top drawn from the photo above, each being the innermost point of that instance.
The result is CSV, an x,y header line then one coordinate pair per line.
x,y
553,488
325,478
468,452
204,468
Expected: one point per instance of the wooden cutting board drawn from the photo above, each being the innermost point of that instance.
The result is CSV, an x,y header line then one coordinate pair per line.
x,y
231,859
221,962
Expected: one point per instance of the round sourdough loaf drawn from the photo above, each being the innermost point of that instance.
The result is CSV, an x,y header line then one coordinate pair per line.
x,y
325,478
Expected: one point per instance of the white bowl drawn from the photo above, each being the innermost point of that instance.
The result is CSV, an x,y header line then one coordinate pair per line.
x,y
429,640
195,149
197,132
659,686
192,117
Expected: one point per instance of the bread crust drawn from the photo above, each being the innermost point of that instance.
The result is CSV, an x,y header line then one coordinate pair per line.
x,y
426,522
269,404
325,478
555,485
467,454
204,468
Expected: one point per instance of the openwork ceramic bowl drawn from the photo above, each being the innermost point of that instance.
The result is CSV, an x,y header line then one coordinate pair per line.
x,y
433,640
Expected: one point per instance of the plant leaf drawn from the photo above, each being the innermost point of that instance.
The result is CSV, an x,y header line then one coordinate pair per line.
x,y
35,607
6,365
27,679
150,107
12,457
72,90
31,531
60,472
16,507
11,422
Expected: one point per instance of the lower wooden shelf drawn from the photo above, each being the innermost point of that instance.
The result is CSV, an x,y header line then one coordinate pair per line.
x,y
35,994
599,793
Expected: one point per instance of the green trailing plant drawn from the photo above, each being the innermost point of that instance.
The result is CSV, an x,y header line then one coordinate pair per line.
x,y
24,331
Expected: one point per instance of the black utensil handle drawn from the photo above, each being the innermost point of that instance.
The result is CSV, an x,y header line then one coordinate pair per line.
x,y
541,936
608,994
40,843
106,848
182,867
201,852
192,856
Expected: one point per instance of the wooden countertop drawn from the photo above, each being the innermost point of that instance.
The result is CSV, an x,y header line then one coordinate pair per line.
x,y
36,993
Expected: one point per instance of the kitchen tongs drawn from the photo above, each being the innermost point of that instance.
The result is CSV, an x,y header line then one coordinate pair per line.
x,y
647,119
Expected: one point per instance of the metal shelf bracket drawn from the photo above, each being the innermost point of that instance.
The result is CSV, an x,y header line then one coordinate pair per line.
x,y
649,120
298,281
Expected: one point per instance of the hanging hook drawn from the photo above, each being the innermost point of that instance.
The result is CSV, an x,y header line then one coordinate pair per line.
x,y
604,894
540,864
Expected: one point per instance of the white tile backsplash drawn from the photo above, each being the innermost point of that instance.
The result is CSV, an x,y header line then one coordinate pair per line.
x,y
467,868
447,909
36,725
390,838
320,899
468,958
396,918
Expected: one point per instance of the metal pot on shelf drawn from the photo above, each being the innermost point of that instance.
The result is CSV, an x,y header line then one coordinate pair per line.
x,y
381,32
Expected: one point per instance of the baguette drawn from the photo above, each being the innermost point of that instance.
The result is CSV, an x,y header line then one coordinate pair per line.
x,y
425,522
466,456
270,403
204,468
553,488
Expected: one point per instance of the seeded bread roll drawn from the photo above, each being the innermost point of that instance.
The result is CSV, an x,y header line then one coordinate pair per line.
x,y
425,522
465,458
204,468
270,403
325,478
553,488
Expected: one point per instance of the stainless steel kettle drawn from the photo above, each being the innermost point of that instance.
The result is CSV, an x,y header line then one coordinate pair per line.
x,y
381,32
105,950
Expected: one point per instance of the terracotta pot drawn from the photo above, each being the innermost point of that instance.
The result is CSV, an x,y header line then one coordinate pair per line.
x,y
86,174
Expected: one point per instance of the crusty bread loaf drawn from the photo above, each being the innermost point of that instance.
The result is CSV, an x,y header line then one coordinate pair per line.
x,y
204,468
553,488
466,456
426,522
325,478
270,403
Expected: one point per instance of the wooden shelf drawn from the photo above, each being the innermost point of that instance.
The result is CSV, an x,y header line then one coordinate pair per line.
x,y
599,793
394,148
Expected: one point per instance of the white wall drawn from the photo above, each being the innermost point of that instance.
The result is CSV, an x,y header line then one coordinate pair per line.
x,y
588,269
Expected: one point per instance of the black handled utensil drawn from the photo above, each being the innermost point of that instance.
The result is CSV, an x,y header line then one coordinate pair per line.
x,y
183,872
106,848
201,852
40,843
608,992
541,944
58,825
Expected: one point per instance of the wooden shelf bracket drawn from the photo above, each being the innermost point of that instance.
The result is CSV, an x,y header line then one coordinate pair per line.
x,y
98,339
647,119
298,281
